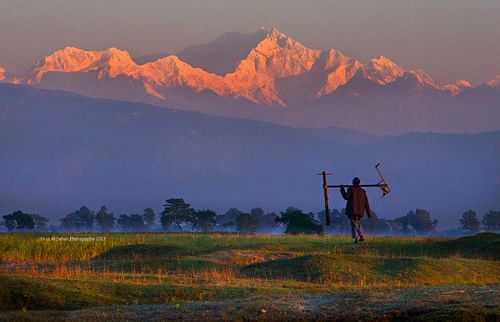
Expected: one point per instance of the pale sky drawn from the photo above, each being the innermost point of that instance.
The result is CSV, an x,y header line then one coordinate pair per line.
x,y
450,39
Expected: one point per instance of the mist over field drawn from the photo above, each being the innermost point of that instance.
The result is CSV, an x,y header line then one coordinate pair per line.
x,y
61,151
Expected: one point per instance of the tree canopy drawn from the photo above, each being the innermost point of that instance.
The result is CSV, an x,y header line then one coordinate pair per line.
x,y
491,220
149,217
246,223
470,222
176,211
105,219
23,221
204,220
133,222
298,222
419,221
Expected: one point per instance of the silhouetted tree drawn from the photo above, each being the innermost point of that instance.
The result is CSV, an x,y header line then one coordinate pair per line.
x,y
403,224
124,222
246,223
136,222
9,222
133,222
24,221
204,220
228,217
423,223
298,222
176,211
69,222
419,221
85,219
105,219
40,222
470,222
149,217
267,223
257,212
491,220
19,220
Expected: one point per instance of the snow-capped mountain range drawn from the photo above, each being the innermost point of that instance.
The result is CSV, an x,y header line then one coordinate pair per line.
x,y
266,68
2,73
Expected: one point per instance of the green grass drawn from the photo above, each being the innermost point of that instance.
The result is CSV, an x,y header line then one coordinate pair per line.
x,y
37,273
30,247
19,292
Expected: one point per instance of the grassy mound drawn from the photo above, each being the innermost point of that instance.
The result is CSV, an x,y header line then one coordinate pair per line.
x,y
484,245
335,268
145,258
20,292
303,268
374,270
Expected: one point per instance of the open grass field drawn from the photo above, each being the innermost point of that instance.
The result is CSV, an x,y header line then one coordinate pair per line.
x,y
95,277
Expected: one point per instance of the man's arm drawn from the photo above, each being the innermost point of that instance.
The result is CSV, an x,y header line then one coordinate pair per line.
x,y
345,195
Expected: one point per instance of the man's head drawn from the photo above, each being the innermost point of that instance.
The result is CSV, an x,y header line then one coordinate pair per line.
x,y
356,181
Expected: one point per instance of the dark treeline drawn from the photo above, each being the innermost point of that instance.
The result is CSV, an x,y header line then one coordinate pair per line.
x,y
177,216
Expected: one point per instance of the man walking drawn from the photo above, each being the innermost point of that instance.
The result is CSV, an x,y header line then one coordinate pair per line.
x,y
357,203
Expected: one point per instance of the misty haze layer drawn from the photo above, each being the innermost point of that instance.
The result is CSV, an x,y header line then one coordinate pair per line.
x,y
61,151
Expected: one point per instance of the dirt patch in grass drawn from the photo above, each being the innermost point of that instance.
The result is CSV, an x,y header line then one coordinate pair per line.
x,y
430,304
310,268
245,257
154,266
393,267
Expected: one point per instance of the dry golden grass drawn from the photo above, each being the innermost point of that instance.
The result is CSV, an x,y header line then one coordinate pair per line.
x,y
151,268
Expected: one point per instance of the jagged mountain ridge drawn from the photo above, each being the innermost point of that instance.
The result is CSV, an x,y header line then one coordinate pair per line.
x,y
278,80
222,55
274,57
2,73
495,82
